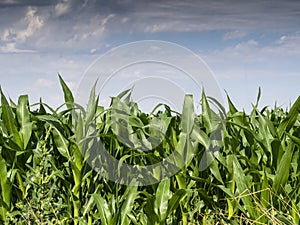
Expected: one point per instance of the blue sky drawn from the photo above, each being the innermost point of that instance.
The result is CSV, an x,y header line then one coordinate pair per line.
x,y
246,44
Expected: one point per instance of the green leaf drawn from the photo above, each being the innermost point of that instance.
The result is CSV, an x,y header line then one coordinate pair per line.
x,y
162,197
187,117
10,121
5,187
181,180
125,93
60,139
23,115
175,200
258,96
242,186
294,139
127,206
230,209
289,121
206,113
201,137
61,142
103,209
88,206
91,108
265,194
150,212
283,169
232,108
69,99
214,169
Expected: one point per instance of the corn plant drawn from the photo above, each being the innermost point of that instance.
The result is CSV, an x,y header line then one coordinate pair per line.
x,y
228,167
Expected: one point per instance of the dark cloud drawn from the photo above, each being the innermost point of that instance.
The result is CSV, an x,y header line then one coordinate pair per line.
x,y
83,24
22,3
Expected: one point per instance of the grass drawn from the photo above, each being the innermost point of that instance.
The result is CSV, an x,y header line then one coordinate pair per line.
x,y
49,177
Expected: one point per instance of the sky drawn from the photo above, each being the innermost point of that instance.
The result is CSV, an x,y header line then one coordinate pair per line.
x,y
245,45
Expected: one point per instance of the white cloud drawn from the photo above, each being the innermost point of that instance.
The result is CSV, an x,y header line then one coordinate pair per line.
x,y
33,23
246,45
11,48
288,45
62,8
124,20
18,34
275,52
43,83
248,51
93,30
236,34
6,35
154,28
103,24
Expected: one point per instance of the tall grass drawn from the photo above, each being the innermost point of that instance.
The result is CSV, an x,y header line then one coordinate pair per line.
x,y
46,177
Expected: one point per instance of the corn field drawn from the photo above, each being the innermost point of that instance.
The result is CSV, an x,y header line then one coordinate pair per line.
x,y
46,178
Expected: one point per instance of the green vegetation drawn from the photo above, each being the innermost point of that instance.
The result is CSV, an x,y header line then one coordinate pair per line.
x,y
45,178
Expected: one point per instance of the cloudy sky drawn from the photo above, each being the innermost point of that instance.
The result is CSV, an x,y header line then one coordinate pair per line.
x,y
246,44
